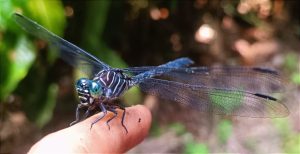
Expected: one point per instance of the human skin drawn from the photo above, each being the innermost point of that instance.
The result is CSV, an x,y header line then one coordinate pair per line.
x,y
79,138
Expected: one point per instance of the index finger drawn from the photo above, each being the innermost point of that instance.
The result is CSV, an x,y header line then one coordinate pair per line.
x,y
80,138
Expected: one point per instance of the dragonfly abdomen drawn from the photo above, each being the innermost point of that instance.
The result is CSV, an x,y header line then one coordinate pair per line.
x,y
114,83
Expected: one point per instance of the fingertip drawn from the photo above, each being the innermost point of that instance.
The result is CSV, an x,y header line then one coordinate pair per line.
x,y
139,123
102,139
79,138
139,116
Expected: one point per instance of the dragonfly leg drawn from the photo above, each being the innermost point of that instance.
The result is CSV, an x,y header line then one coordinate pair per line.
x,y
115,114
103,109
123,118
86,114
79,106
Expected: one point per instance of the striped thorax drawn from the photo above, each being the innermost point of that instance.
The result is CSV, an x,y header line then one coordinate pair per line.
x,y
114,82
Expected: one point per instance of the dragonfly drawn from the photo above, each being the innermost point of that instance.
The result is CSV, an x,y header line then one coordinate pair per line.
x,y
231,90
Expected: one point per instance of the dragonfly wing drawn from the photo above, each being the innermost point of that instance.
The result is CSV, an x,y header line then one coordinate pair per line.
x,y
138,70
162,69
219,101
177,63
68,51
254,79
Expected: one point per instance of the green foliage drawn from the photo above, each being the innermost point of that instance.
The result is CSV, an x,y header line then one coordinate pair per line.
x,y
224,130
16,60
95,26
17,51
155,129
292,144
295,78
35,91
292,65
20,72
291,62
178,128
133,96
193,147
282,125
45,112
12,47
290,138
250,17
221,99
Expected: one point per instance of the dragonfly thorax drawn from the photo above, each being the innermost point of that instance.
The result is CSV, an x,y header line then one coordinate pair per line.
x,y
114,83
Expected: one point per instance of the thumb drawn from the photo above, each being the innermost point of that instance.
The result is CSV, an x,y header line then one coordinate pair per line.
x,y
100,139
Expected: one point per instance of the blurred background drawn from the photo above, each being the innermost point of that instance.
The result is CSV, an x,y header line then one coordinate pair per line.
x,y
37,94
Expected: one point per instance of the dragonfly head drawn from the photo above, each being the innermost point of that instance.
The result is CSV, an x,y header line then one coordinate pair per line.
x,y
88,90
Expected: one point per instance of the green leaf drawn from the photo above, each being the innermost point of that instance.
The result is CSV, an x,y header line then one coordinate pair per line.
x,y
295,78
15,64
54,21
155,129
290,138
178,128
42,12
195,148
133,96
292,144
45,113
224,130
291,62
20,73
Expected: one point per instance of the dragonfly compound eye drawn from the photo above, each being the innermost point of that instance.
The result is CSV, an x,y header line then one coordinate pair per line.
x,y
95,89
82,83
82,88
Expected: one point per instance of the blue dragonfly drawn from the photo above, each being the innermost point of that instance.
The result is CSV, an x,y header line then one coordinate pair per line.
x,y
236,91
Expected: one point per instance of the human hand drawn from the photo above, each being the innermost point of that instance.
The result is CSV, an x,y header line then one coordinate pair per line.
x,y
79,138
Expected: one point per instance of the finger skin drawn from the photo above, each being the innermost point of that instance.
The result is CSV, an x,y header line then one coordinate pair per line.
x,y
79,138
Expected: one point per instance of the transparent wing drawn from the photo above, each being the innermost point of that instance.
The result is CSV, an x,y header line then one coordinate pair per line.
x,y
253,79
68,51
162,69
138,70
217,100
